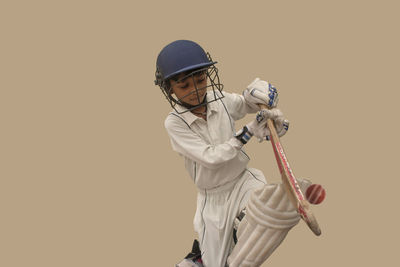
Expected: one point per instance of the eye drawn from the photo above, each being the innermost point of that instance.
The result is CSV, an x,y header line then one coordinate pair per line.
x,y
186,85
202,79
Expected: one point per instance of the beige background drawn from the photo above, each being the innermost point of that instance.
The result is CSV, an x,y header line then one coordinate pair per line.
x,y
88,177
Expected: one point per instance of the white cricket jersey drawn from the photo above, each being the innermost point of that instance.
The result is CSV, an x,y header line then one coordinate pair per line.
x,y
217,164
212,155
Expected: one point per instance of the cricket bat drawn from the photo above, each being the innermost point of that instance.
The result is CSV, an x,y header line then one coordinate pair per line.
x,y
290,183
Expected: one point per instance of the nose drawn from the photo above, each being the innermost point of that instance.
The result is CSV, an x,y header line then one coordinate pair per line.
x,y
194,88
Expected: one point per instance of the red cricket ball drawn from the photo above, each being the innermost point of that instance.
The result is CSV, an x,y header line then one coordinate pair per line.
x,y
315,194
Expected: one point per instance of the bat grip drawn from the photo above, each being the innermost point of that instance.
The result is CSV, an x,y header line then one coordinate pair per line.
x,y
271,125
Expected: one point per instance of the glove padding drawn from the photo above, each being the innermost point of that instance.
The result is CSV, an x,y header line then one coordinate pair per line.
x,y
260,92
259,128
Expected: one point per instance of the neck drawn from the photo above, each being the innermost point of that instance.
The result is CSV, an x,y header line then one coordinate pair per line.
x,y
200,112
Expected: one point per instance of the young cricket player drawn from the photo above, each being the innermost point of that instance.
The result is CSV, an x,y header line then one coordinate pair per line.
x,y
234,202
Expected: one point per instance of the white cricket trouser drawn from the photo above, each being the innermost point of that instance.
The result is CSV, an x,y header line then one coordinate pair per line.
x,y
216,211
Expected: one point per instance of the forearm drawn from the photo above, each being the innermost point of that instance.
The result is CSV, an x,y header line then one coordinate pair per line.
x,y
209,156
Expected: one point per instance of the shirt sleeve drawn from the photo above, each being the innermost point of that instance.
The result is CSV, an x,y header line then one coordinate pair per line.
x,y
189,144
237,106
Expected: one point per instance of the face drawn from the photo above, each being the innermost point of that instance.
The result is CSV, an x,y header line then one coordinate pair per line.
x,y
190,89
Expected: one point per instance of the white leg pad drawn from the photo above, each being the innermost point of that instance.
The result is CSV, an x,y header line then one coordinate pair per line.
x,y
269,217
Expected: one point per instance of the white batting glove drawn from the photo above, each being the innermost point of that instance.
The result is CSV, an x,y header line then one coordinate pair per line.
x,y
259,129
255,127
260,92
281,125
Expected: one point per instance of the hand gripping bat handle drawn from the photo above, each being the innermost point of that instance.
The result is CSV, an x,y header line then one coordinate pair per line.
x,y
289,181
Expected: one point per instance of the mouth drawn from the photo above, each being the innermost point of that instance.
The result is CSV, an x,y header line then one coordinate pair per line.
x,y
196,99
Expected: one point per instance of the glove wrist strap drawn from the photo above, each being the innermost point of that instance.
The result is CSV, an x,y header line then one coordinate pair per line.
x,y
244,135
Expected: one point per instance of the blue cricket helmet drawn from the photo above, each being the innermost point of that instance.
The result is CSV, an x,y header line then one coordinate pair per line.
x,y
183,56
180,56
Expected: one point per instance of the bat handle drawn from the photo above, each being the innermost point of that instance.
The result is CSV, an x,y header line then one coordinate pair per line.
x,y
271,126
